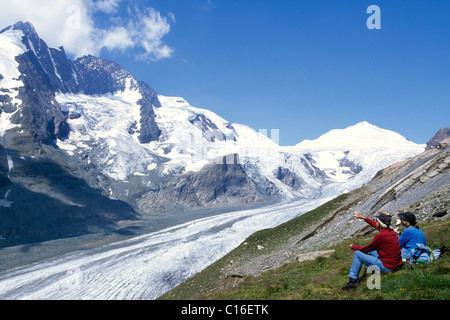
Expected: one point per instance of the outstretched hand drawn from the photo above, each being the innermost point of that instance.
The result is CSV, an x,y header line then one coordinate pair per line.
x,y
358,216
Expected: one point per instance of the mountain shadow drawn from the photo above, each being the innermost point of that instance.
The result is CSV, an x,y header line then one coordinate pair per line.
x,y
41,200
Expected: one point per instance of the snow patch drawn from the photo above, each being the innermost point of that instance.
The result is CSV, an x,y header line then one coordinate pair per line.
x,y
196,166
104,124
4,202
10,47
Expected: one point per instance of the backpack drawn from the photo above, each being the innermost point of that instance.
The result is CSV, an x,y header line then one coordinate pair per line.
x,y
420,254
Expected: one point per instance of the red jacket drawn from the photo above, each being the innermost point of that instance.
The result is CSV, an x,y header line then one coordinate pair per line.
x,y
387,246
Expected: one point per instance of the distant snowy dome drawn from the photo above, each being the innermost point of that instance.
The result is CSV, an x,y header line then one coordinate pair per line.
x,y
360,135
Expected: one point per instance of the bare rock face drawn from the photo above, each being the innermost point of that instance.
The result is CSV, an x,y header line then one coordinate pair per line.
x,y
440,136
217,184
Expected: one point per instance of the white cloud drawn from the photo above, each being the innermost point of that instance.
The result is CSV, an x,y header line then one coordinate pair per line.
x,y
148,30
172,16
106,6
207,5
71,23
116,38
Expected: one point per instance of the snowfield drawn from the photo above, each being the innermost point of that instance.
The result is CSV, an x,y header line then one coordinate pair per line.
x,y
105,121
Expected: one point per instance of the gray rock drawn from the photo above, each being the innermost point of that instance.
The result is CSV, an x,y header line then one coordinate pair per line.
x,y
216,185
441,135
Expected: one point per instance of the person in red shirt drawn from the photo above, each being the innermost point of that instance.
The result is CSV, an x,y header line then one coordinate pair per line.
x,y
384,251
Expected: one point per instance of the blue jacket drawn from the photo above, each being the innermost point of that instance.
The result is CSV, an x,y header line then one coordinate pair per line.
x,y
411,237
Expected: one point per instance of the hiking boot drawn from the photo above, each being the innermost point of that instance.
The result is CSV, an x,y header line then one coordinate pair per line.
x,y
364,276
351,284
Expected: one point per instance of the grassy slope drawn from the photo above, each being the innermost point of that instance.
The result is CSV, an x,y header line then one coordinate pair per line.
x,y
319,279
323,277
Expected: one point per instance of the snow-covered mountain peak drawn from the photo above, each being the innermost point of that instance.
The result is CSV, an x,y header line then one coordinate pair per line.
x,y
361,135
26,27
191,133
173,102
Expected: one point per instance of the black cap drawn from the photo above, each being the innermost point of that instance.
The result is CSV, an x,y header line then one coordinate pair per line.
x,y
408,216
384,218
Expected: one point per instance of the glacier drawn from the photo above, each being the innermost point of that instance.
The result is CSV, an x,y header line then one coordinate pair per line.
x,y
147,266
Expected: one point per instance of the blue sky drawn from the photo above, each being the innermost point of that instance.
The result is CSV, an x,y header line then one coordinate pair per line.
x,y
303,67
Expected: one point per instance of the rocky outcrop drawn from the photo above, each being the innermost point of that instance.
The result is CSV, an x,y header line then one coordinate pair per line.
x,y
314,254
220,183
289,178
40,114
57,70
431,164
440,136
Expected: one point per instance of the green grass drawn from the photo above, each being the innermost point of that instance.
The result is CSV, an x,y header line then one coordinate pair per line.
x,y
323,278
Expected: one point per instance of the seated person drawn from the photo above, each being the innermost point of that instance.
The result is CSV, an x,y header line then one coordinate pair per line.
x,y
412,238
383,251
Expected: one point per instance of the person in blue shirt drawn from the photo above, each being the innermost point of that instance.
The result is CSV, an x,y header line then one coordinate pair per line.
x,y
412,237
